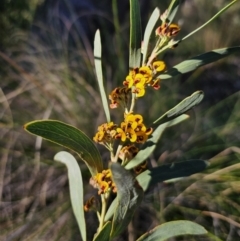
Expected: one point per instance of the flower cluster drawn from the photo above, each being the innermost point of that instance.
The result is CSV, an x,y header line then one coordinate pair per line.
x,y
132,128
119,96
165,34
167,30
106,133
103,181
127,153
136,82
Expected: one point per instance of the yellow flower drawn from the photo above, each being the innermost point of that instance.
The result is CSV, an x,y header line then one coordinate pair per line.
x,y
98,136
128,82
107,173
130,117
103,187
132,128
145,70
106,133
140,127
147,74
121,135
173,30
142,136
103,181
139,79
139,90
159,66
131,135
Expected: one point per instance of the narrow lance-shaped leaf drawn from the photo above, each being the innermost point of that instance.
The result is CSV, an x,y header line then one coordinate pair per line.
x,y
148,31
111,210
69,137
150,145
209,21
172,10
98,67
129,196
197,61
166,172
75,188
135,35
185,105
172,229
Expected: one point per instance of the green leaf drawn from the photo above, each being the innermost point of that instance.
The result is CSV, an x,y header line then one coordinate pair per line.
x,y
172,10
172,229
197,61
209,21
104,234
111,210
98,67
75,188
69,137
148,31
170,171
129,196
150,145
165,173
135,35
185,105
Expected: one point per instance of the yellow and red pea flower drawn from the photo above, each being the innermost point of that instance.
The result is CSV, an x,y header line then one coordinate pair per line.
x,y
132,128
128,152
167,30
119,96
159,66
103,181
91,204
146,72
120,134
106,133
155,84
139,90
139,78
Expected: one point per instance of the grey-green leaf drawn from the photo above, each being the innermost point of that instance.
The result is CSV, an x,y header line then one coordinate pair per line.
x,y
172,229
135,35
129,197
98,67
172,10
69,137
75,188
185,105
150,145
148,32
197,61
221,11
104,234
162,173
111,210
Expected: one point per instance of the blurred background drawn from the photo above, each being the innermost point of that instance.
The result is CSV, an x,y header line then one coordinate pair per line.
x,y
46,71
